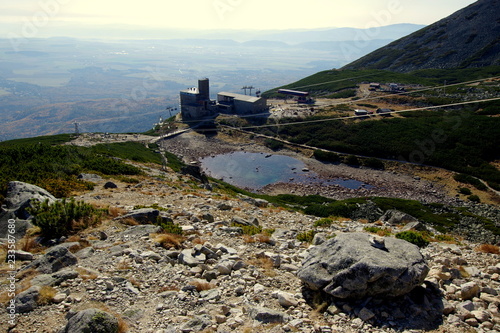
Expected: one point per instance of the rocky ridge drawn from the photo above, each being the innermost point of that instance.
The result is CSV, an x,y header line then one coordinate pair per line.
x,y
219,280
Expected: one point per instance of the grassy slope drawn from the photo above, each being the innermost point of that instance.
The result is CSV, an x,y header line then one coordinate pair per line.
x,y
337,80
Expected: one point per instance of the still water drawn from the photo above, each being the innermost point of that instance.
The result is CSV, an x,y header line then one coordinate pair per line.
x,y
256,170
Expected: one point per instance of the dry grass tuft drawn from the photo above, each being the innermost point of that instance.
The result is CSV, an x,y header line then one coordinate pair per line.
x,y
263,238
488,248
123,265
169,241
47,294
201,285
86,274
248,239
130,221
135,282
116,211
198,240
29,244
266,264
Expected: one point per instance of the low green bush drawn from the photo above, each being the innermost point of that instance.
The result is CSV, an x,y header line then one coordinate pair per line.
x,y
413,237
324,222
307,236
65,217
474,198
464,191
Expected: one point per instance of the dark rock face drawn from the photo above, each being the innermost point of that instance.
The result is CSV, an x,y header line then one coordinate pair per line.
x,y
467,38
26,301
91,320
354,266
143,215
54,260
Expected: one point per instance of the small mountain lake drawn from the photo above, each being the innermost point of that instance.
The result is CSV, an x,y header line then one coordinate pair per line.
x,y
256,170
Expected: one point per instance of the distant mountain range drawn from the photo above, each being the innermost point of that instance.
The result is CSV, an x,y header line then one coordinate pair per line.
x,y
468,38
292,37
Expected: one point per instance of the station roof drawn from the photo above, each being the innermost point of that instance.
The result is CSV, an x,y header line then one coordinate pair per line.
x,y
241,97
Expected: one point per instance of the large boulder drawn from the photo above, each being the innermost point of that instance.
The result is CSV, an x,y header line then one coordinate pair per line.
x,y
18,199
359,265
54,260
142,216
396,217
91,320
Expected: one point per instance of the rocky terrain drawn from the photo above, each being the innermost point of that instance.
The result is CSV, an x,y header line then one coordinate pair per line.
x,y
126,275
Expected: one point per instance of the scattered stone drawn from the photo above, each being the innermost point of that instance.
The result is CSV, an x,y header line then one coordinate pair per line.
x,y
266,316
287,300
110,185
469,290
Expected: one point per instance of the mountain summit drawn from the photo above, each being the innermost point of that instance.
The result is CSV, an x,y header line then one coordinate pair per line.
x,y
468,38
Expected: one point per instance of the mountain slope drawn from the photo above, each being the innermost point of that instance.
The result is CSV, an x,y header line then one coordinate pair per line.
x,y
467,38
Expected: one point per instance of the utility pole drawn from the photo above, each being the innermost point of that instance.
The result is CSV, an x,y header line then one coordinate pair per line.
x,y
77,130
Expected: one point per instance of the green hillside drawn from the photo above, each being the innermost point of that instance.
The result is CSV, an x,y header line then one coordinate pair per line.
x,y
331,81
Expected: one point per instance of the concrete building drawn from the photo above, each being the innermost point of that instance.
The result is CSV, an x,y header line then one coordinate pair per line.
x,y
195,102
239,104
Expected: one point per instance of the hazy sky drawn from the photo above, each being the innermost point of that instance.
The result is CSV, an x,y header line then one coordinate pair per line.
x,y
229,14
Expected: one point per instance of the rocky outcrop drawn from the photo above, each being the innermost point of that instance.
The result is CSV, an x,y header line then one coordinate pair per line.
x,y
17,201
54,260
354,266
91,320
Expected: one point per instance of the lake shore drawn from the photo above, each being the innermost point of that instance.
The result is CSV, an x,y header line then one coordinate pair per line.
x,y
387,183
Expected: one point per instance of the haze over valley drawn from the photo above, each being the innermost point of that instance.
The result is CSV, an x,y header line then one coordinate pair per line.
x,y
47,84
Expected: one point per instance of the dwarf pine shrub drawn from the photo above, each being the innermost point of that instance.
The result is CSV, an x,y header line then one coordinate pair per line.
x,y
64,217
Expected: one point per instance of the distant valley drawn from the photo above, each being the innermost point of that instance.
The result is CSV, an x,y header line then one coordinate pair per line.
x,y
46,85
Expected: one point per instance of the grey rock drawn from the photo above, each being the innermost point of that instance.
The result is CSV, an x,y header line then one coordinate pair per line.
x,y
186,257
348,267
286,299
143,216
267,316
240,221
54,260
224,206
85,253
319,238
415,226
197,324
151,255
17,200
90,177
54,279
91,320
109,185
26,301
365,314
211,294
395,217
469,290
